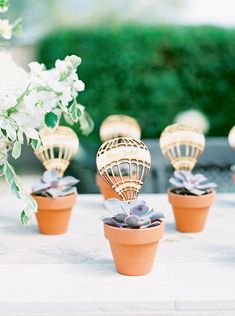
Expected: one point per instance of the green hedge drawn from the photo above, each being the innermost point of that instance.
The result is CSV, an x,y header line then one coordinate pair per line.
x,y
152,73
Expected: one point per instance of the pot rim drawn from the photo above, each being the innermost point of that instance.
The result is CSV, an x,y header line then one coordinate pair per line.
x,y
135,229
51,198
169,192
129,236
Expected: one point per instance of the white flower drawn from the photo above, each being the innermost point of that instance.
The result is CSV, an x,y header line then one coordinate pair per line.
x,y
193,118
61,66
5,29
13,82
36,68
55,87
75,60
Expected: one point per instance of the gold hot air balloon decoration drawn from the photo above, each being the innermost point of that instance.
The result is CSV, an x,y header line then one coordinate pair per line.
x,y
115,126
182,145
59,146
124,163
231,137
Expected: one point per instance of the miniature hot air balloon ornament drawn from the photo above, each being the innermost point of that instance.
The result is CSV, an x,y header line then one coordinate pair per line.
x,y
115,126
191,195
54,194
182,145
59,146
124,163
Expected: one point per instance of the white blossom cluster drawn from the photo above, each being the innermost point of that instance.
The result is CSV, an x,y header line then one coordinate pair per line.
x,y
27,97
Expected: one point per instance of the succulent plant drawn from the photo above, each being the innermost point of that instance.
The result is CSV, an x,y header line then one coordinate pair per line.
x,y
187,183
134,215
52,185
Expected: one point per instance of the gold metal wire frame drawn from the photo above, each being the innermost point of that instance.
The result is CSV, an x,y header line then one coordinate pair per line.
x,y
115,126
59,146
182,145
124,164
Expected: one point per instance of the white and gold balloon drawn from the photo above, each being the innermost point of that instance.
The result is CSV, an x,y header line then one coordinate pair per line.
x,y
182,145
59,146
119,126
124,163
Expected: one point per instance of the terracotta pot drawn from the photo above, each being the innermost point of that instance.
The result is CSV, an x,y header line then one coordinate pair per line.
x,y
106,190
133,250
53,215
190,211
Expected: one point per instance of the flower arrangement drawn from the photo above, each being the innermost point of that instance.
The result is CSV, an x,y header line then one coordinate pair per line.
x,y
136,214
186,183
28,100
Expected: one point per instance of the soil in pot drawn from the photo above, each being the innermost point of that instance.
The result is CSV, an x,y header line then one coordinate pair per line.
x,y
53,215
133,250
190,211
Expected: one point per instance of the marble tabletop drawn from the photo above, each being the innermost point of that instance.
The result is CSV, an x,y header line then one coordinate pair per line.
x,y
74,274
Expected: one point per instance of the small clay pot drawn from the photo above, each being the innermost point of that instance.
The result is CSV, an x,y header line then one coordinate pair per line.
x,y
190,211
106,190
133,250
53,214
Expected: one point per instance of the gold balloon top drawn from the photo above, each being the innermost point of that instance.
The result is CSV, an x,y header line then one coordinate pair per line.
x,y
231,137
124,164
119,126
59,146
182,145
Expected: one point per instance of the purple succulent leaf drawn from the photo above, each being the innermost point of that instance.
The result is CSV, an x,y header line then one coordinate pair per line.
x,y
153,224
187,185
50,176
54,193
137,202
183,175
115,206
209,185
200,177
111,222
40,186
68,181
176,182
121,217
134,221
197,191
156,215
140,210
67,191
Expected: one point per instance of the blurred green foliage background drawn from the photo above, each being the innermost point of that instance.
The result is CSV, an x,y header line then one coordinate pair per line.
x,y
151,72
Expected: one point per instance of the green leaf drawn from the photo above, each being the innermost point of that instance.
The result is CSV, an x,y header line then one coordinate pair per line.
x,y
15,189
51,120
16,150
10,130
35,144
24,218
2,170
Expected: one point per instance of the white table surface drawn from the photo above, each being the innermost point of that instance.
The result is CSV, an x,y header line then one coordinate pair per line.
x,y
74,274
